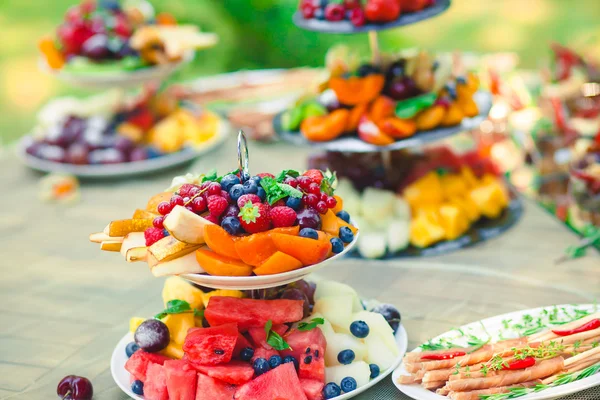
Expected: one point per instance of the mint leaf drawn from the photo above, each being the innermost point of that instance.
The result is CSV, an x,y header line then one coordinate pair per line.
x,y
329,182
174,307
211,176
274,339
198,313
408,108
268,327
287,172
289,190
304,326
276,191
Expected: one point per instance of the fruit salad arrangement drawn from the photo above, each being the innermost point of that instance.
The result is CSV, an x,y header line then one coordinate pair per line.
x,y
110,129
235,225
360,12
585,183
302,341
383,103
440,198
107,36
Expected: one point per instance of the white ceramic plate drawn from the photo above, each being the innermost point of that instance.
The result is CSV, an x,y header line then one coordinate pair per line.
x,y
263,281
121,376
124,169
494,326
106,80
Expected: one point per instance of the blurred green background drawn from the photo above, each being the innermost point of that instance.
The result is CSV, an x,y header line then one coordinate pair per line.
x,y
259,34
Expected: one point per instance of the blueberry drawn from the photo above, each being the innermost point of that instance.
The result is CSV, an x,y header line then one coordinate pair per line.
x,y
137,387
166,232
246,354
348,384
256,179
310,233
346,356
112,5
293,203
367,69
331,390
337,246
228,181
275,361
250,187
260,192
153,153
236,192
131,348
231,225
292,359
374,371
360,329
346,234
344,215
320,13
260,366
461,80
322,3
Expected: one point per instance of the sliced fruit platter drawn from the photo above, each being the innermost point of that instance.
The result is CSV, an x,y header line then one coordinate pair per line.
x,y
585,183
543,353
402,101
427,204
235,226
351,16
112,134
303,341
104,37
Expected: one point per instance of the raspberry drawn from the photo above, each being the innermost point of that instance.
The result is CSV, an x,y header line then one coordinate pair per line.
x,y
265,174
212,218
315,175
282,216
254,218
252,198
188,190
216,205
226,196
153,235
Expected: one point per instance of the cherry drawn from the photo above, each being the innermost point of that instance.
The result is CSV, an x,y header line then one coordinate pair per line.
x,y
402,89
308,10
357,17
321,207
314,189
311,200
334,12
293,182
331,202
75,387
324,196
176,200
199,204
164,207
304,182
158,222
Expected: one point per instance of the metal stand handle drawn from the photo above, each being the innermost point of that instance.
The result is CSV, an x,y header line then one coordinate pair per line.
x,y
242,146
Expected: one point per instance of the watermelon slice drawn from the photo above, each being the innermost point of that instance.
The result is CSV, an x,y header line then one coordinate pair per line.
x,y
300,341
312,389
241,344
312,364
250,313
138,363
213,389
181,380
280,383
211,346
155,387
260,352
234,373
259,336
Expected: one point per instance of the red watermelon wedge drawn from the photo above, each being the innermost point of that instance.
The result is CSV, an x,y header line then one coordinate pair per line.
x,y
155,387
234,373
280,383
259,336
213,389
211,346
312,389
137,365
250,313
181,380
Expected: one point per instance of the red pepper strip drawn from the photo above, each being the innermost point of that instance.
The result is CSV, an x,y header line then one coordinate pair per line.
x,y
593,324
520,364
443,356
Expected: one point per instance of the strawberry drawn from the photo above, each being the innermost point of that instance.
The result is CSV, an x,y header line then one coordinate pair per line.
x,y
265,174
245,198
216,205
153,235
254,218
382,10
282,216
315,175
279,203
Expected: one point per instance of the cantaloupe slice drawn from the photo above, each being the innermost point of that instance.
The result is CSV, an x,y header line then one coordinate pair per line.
x,y
308,251
278,263
220,241
216,264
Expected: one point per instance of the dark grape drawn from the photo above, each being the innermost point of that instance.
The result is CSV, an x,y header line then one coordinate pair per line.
x,y
297,294
402,89
396,70
96,47
307,287
390,313
123,144
152,335
138,154
309,218
77,153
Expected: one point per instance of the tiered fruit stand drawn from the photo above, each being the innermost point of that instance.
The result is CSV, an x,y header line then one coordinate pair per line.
x,y
483,229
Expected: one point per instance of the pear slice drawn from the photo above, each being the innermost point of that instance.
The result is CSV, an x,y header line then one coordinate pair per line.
x,y
167,249
144,214
100,237
111,245
186,226
132,240
183,265
136,254
124,226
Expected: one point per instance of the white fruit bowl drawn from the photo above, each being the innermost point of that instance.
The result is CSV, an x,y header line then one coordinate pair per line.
x,y
263,281
121,376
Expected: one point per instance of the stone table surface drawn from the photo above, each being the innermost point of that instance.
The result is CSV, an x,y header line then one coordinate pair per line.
x,y
64,304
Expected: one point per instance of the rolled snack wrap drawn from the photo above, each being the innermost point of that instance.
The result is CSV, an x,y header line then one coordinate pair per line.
x,y
434,385
407,379
590,354
542,370
475,372
549,335
438,375
443,391
415,356
474,395
564,340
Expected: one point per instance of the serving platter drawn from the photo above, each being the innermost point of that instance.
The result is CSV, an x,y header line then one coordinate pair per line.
x,y
346,27
495,328
352,144
122,79
123,170
121,376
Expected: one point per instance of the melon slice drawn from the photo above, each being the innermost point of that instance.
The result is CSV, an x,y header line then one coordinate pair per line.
x,y
211,346
155,387
213,389
248,313
181,380
280,383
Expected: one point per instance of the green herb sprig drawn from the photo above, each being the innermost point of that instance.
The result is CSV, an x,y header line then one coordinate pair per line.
x,y
304,326
274,339
177,306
